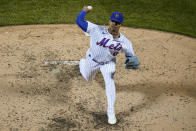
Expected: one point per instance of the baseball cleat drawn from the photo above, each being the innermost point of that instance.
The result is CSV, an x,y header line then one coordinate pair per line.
x,y
111,119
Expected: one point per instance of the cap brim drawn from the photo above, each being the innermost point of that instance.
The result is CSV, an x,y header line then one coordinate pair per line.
x,y
116,20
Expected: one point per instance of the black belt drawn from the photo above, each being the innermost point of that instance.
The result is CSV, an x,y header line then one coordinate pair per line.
x,y
101,63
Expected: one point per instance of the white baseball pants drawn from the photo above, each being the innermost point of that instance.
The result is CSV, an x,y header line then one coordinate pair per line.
x,y
88,69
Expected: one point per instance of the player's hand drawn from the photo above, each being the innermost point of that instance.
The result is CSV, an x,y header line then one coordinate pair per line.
x,y
87,9
132,63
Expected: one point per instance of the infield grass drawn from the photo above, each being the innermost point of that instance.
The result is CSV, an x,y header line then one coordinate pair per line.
x,y
177,16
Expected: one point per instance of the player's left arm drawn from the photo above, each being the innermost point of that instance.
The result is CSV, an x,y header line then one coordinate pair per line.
x,y
132,61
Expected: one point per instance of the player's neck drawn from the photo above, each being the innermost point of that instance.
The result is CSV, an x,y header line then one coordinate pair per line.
x,y
115,34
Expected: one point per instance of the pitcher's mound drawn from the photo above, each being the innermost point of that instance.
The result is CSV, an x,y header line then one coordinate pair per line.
x,y
161,95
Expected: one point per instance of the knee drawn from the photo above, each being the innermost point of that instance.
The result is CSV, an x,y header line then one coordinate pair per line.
x,y
109,75
112,75
84,75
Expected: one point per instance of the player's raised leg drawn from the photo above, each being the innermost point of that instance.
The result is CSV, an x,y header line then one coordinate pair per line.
x,y
108,71
88,68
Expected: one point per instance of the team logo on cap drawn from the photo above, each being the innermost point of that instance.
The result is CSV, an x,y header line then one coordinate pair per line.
x,y
117,15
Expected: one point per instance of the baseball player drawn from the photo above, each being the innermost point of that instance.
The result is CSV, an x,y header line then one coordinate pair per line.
x,y
105,45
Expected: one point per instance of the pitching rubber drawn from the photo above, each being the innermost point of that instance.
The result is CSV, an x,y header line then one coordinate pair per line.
x,y
65,62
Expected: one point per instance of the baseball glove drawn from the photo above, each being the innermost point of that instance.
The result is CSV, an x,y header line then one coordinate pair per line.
x,y
132,62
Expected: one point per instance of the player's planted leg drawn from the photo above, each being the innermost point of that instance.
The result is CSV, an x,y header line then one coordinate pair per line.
x,y
108,72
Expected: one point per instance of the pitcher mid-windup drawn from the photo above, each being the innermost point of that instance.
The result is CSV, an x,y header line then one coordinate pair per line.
x,y
105,45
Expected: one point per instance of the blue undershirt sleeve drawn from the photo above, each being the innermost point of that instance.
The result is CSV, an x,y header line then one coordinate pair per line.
x,y
81,22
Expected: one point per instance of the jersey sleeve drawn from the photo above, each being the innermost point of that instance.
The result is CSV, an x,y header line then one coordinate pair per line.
x,y
81,22
128,48
91,27
86,26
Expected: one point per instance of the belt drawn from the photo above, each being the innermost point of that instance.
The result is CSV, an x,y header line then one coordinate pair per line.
x,y
101,63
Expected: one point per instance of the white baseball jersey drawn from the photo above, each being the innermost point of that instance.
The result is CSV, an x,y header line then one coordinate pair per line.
x,y
103,47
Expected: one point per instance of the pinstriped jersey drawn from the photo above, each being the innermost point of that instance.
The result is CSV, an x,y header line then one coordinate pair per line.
x,y
103,47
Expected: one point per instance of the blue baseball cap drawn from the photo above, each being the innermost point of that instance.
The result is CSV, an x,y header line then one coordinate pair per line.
x,y
116,16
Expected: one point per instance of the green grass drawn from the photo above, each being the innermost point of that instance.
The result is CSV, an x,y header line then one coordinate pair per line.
x,y
177,16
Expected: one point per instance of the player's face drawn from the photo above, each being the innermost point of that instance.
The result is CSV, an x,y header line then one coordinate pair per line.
x,y
115,26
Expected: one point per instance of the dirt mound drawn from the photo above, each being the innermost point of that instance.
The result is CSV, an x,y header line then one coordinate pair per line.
x,y
161,95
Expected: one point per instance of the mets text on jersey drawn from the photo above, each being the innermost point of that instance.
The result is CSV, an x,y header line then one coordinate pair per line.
x,y
116,47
